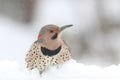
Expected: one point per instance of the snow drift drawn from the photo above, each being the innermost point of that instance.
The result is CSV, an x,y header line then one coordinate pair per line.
x,y
71,70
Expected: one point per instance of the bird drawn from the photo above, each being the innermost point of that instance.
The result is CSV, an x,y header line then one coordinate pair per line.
x,y
49,49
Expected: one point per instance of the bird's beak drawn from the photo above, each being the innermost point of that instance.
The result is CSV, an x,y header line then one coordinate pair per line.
x,y
64,27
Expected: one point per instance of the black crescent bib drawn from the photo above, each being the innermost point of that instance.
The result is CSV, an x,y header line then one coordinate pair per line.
x,y
48,52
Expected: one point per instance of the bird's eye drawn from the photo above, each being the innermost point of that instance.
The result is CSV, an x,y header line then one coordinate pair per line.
x,y
51,31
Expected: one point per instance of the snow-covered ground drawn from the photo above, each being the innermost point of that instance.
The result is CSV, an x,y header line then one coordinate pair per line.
x,y
71,70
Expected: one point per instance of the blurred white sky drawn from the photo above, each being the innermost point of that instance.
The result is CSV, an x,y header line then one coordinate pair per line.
x,y
16,37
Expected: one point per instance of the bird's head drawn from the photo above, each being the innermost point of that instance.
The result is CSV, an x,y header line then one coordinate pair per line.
x,y
51,32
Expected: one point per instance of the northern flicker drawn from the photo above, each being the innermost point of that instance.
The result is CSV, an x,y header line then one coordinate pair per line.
x,y
49,49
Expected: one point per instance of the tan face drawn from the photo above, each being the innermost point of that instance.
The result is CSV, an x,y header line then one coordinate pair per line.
x,y
51,33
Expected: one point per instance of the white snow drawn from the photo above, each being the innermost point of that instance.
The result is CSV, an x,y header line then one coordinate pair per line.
x,y
71,70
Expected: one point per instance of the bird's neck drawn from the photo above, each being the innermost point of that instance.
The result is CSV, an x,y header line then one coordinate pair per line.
x,y
52,44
